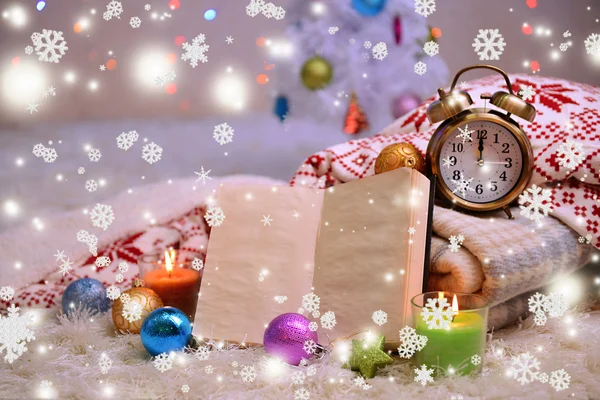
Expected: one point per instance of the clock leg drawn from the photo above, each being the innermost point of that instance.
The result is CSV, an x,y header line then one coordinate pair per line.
x,y
508,213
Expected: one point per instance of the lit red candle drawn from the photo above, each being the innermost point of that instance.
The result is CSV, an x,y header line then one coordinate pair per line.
x,y
177,287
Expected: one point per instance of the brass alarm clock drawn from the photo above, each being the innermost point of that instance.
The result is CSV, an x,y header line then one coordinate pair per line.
x,y
482,158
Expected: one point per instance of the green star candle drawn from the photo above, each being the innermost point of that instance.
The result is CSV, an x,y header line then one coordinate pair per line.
x,y
455,325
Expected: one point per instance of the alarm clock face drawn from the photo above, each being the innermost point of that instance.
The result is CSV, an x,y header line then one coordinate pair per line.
x,y
480,161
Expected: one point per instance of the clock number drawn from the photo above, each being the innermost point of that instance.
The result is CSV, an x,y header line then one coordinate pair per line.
x,y
457,146
503,176
452,161
493,186
508,162
481,134
456,175
496,138
479,189
505,148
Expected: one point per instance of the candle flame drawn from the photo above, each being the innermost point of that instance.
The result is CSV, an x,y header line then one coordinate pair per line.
x,y
168,262
455,305
440,295
173,256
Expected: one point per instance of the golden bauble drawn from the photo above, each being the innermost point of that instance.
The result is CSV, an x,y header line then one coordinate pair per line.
x,y
146,298
399,155
316,73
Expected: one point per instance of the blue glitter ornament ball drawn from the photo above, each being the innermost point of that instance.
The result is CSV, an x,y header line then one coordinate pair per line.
x,y
369,8
85,293
281,108
164,330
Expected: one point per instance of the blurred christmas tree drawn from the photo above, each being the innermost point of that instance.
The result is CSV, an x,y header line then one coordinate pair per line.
x,y
333,50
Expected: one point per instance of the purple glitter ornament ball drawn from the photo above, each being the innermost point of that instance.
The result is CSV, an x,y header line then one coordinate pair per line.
x,y
404,103
285,337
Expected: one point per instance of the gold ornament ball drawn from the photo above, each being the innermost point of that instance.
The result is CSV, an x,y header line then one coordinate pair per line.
x,y
399,155
146,298
316,73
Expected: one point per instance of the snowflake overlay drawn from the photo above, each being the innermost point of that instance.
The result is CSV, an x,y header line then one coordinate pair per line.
x,y
102,216
570,154
462,185
328,320
132,311
223,133
50,45
151,153
113,292
6,293
248,373
424,7
91,240
310,347
437,314
197,264
465,134
311,302
203,175
185,388
104,363
135,22
592,44
489,44
195,52
113,9
301,394
411,342
431,48
525,368
298,378
535,203
476,359
94,155
214,216
91,185
420,68
423,375
163,362
65,267
379,51
455,242
527,92
379,317
560,380
126,139
14,333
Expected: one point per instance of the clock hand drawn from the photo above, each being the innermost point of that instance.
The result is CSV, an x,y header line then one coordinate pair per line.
x,y
480,148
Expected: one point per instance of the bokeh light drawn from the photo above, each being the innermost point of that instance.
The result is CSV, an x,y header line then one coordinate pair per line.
x,y
11,208
23,83
111,64
262,79
40,5
209,15
150,64
280,49
436,33
230,92
16,16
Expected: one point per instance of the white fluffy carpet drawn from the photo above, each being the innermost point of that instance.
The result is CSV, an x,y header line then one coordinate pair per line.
x,y
66,353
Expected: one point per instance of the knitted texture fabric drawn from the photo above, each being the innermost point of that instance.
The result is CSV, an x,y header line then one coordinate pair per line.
x,y
500,258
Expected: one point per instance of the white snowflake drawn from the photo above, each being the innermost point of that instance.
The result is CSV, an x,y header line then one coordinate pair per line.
x,y
203,175
527,92
420,68
359,381
45,384
126,139
560,380
489,44
266,220
38,150
209,369
476,359
316,314
313,326
301,394
94,155
6,293
185,388
328,320
50,45
102,67
28,50
102,216
229,40
89,239
570,154
223,133
248,373
465,133
163,362
535,203
543,377
147,7
587,239
278,13
423,375
151,152
65,267
104,363
367,44
564,46
310,346
113,292
135,22
379,51
538,303
540,318
455,242
254,8
424,7
379,317
447,162
298,378
366,56
113,9
60,255
411,342
431,48
81,170
51,91
132,311
32,107
311,370
214,216
202,352
311,302
524,368
161,80
14,333
103,261
49,155
197,264
592,44
556,305
195,52
91,185
332,30
412,230
125,298
462,185
437,314
123,266
352,41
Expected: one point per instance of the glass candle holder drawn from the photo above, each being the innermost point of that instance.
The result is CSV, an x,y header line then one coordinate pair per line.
x,y
175,282
459,348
